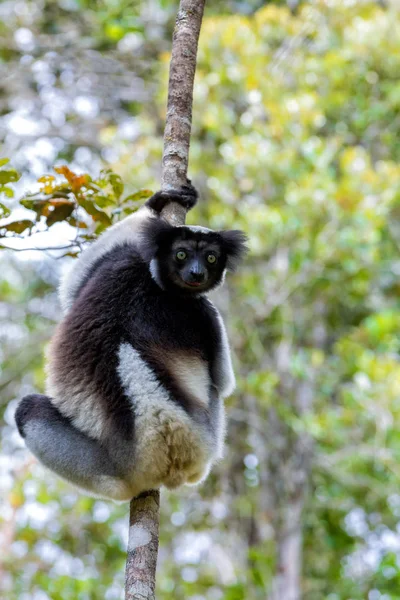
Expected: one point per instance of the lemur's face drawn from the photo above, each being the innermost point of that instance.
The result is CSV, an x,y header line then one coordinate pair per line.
x,y
195,265
190,260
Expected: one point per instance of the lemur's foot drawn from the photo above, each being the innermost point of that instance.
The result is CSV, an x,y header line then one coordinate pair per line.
x,y
186,197
35,406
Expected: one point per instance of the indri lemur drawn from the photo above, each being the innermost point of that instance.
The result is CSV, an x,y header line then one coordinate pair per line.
x,y
140,364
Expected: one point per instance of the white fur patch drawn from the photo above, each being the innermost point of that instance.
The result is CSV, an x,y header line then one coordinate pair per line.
x,y
198,228
225,369
139,381
76,401
171,448
192,375
113,488
155,271
80,405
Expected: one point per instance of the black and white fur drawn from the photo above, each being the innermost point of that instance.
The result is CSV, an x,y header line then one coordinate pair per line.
x,y
140,364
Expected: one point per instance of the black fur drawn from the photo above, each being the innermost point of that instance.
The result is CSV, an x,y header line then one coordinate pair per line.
x,y
158,237
235,247
147,293
36,406
155,236
122,303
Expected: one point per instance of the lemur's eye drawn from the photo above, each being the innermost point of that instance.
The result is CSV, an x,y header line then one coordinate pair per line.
x,y
211,258
181,255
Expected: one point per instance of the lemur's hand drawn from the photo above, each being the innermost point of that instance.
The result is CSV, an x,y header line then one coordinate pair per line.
x,y
186,197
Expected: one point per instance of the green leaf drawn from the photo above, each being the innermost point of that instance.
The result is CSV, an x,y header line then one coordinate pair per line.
x,y
93,211
6,191
78,224
9,176
59,213
126,211
16,226
4,211
138,196
103,200
38,206
117,184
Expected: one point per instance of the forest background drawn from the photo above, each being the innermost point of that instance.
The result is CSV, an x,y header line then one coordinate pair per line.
x,y
295,140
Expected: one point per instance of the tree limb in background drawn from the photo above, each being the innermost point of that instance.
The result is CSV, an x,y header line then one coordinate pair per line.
x,y
144,511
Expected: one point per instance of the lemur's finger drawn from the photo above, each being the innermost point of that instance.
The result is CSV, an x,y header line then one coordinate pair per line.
x,y
189,189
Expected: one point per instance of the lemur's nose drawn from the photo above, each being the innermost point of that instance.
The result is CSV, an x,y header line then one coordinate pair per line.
x,y
197,276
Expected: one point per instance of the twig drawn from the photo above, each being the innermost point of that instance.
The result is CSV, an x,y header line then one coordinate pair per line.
x,y
144,511
40,249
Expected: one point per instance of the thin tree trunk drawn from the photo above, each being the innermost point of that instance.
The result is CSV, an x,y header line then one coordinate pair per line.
x,y
141,562
293,472
180,101
287,580
140,579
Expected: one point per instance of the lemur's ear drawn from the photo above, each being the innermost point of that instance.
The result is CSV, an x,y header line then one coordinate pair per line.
x,y
234,244
153,235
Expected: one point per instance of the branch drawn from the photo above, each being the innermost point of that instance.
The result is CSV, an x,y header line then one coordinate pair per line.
x,y
140,575
180,99
144,512
74,245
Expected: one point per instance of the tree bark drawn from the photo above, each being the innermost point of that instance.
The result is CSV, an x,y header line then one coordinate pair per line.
x,y
140,577
180,100
292,476
287,580
140,574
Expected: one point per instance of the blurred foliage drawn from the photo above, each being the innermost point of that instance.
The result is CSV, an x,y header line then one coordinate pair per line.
x,y
77,200
7,176
72,69
295,140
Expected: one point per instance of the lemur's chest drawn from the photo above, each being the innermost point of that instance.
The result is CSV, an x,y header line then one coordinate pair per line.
x,y
172,323
186,371
178,339
179,347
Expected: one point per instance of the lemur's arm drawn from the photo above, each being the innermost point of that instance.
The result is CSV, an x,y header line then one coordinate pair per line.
x,y
124,231
120,233
222,371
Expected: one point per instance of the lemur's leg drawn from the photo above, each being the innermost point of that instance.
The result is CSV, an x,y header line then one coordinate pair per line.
x,y
68,452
